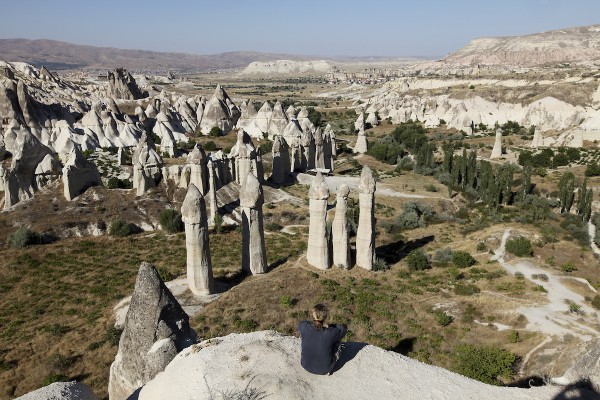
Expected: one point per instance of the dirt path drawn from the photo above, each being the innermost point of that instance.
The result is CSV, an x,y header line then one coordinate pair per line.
x,y
552,318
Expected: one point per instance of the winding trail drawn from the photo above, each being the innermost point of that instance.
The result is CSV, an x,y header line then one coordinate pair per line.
x,y
552,318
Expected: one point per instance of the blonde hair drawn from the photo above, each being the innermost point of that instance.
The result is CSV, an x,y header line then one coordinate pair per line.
x,y
319,314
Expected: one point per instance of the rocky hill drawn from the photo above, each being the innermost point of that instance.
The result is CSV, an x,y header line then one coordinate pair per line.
x,y
61,55
287,67
571,45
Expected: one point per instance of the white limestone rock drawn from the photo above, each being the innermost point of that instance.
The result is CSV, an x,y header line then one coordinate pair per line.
x,y
199,265
61,391
339,230
365,234
254,256
361,145
156,329
317,253
78,175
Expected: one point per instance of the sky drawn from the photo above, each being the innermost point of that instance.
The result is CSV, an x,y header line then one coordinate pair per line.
x,y
429,28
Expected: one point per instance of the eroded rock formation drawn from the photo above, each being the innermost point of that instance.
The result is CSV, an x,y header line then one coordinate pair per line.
x,y
254,256
78,175
156,329
365,234
317,253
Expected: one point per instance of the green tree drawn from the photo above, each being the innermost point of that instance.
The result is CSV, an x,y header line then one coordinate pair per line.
x,y
170,220
525,183
581,197
566,185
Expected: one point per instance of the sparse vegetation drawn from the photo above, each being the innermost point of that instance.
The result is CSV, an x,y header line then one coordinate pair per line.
x,y
519,246
120,228
23,237
170,220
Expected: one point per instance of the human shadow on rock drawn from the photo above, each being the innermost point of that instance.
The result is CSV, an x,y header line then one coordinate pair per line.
x,y
404,346
350,351
582,390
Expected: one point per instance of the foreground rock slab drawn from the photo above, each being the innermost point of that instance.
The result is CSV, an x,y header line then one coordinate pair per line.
x,y
156,329
61,391
268,365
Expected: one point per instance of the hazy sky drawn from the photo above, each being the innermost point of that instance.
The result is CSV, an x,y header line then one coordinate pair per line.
x,y
326,27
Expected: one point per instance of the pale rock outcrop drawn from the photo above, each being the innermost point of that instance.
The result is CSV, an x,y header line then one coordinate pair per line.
x,y
361,145
222,364
281,160
199,265
121,85
497,150
372,120
290,112
20,182
197,166
596,98
307,156
78,174
48,170
245,155
586,367
538,139
219,112
329,149
254,256
156,329
147,165
278,121
359,124
319,149
339,230
305,123
263,116
317,253
212,193
61,391
365,234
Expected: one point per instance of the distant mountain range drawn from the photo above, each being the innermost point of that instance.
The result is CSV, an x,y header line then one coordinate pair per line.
x,y
572,45
62,55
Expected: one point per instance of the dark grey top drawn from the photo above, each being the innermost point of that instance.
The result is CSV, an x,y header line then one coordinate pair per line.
x,y
318,346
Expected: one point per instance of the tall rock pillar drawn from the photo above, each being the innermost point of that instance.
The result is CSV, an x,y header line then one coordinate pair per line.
x,y
254,255
365,235
212,193
339,230
199,267
497,150
318,247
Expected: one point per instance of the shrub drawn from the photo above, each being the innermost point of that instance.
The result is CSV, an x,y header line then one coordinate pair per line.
x,y
596,302
442,318
170,220
380,265
417,260
574,308
116,183
119,228
541,277
210,146
519,246
23,237
218,223
485,363
466,289
462,259
287,301
431,188
443,256
568,267
215,131
481,247
513,336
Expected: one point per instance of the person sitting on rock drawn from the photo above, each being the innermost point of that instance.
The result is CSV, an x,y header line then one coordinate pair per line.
x,y
321,346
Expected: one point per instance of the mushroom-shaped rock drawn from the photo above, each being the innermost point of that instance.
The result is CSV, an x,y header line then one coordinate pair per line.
x,y
156,329
365,234
361,143
197,164
318,243
254,256
199,266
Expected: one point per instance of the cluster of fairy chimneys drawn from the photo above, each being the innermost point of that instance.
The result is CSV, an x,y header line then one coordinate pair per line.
x,y
194,216
298,151
326,250
207,172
